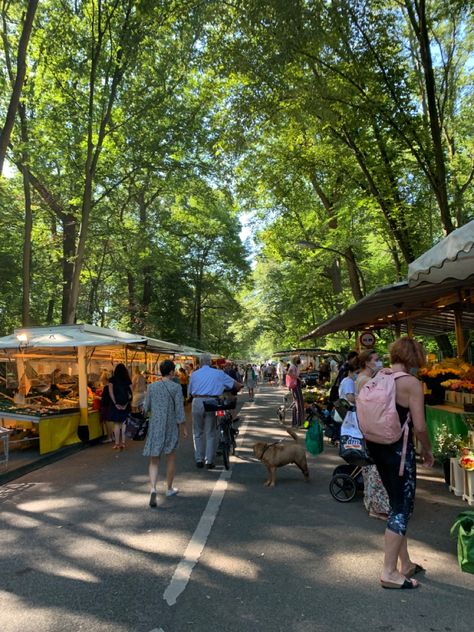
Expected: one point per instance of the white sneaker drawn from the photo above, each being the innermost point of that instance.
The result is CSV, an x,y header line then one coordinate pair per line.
x,y
172,492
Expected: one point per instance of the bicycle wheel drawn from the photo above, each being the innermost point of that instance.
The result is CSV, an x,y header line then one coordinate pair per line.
x,y
342,488
225,454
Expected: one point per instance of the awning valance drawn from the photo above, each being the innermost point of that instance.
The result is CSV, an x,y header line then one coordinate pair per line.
x,y
426,308
451,258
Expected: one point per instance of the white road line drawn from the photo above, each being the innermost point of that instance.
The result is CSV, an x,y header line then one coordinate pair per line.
x,y
196,545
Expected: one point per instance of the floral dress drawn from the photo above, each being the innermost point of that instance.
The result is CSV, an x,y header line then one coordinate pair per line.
x,y
164,400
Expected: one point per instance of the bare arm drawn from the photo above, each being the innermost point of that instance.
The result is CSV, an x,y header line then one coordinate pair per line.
x,y
416,405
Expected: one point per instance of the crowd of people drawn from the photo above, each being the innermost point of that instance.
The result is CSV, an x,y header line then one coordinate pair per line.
x,y
389,479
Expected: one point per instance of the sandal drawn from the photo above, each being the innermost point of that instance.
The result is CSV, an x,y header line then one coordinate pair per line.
x,y
414,571
407,584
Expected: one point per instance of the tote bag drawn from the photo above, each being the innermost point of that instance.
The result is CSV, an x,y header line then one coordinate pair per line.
x,y
464,525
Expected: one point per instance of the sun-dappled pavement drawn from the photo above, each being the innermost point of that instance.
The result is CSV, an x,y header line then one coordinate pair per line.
x,y
81,549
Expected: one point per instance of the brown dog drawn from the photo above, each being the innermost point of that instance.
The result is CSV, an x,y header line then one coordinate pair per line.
x,y
275,455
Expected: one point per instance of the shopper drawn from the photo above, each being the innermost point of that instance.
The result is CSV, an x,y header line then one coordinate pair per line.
x,y
183,378
398,568
207,383
293,382
120,391
138,390
375,494
250,379
164,402
104,407
280,369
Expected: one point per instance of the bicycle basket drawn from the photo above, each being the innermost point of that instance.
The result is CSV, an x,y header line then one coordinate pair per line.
x,y
212,405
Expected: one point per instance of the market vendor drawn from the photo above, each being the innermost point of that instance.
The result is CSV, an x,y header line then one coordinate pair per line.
x,y
58,390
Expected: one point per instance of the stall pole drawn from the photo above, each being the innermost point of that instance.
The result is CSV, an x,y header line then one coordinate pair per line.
x,y
460,346
82,382
409,328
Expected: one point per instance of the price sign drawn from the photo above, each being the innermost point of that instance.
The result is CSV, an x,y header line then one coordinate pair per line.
x,y
367,339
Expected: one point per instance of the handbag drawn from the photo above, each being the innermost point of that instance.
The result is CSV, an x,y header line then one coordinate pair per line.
x,y
314,440
465,527
352,446
136,427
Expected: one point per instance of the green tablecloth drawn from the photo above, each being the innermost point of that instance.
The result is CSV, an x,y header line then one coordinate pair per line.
x,y
437,416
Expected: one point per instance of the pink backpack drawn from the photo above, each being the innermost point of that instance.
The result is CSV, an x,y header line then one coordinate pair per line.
x,y
377,411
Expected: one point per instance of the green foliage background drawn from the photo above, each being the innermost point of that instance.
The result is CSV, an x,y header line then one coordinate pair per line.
x,y
153,129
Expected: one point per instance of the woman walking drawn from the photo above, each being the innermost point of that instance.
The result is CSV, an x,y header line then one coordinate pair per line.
x,y
293,382
120,391
398,568
164,402
249,381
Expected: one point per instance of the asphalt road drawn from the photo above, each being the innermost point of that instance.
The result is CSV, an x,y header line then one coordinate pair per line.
x,y
81,549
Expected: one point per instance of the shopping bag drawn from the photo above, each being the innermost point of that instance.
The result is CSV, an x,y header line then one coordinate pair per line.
x,y
314,439
464,525
352,446
136,427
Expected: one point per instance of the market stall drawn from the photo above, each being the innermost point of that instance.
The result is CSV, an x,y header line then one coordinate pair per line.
x,y
48,375
429,310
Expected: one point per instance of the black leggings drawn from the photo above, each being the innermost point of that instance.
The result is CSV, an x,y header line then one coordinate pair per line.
x,y
400,489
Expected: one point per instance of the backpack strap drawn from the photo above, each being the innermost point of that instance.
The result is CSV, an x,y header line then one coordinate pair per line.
x,y
405,432
405,428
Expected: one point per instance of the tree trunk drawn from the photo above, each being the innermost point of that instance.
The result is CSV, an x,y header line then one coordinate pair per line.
x,y
445,346
69,252
25,302
132,304
401,239
19,80
50,313
355,277
334,273
420,26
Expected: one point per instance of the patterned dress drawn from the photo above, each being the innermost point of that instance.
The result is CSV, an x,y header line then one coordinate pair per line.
x,y
164,400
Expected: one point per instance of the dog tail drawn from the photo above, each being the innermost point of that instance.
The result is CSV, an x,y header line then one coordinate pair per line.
x,y
292,433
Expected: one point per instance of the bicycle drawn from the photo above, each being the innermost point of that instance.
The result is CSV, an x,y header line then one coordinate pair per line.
x,y
226,426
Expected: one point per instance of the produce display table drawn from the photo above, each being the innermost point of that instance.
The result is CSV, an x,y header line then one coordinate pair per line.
x,y
443,414
55,431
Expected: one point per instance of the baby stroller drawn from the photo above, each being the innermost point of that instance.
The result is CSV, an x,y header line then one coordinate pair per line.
x,y
347,479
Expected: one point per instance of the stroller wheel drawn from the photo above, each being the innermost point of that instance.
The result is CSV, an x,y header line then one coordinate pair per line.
x,y
342,488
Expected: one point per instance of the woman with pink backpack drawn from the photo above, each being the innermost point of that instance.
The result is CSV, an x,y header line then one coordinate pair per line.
x,y
389,407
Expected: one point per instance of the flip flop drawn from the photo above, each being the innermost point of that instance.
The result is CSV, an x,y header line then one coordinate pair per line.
x,y
417,569
407,584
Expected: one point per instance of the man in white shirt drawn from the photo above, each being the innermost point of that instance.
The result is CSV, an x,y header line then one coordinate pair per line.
x,y
207,383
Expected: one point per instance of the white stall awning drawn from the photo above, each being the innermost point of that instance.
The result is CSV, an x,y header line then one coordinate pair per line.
x,y
451,258
68,336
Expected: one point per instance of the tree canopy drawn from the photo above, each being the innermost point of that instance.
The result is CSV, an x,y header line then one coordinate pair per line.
x,y
139,134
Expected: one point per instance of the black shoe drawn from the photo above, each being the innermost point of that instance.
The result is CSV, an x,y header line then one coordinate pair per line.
x,y
199,464
153,499
210,466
